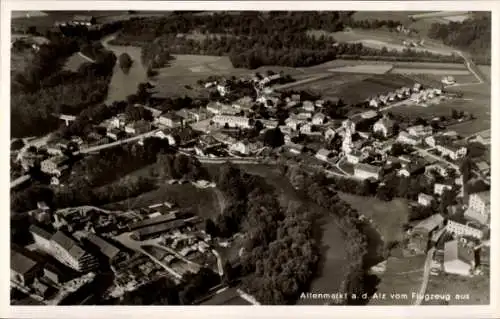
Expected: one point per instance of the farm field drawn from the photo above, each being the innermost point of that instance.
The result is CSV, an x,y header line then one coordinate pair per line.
x,y
366,69
477,288
403,276
20,60
353,88
486,70
395,64
441,72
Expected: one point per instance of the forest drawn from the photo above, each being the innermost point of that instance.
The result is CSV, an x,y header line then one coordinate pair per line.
x,y
471,35
254,39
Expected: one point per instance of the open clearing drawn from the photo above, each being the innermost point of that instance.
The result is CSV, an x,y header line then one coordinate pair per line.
x,y
353,88
403,276
477,287
366,68
430,71
74,62
204,202
388,217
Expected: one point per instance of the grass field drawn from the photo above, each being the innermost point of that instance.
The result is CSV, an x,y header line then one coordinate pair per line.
x,y
204,202
353,88
477,288
388,217
74,62
441,72
364,69
403,276
486,70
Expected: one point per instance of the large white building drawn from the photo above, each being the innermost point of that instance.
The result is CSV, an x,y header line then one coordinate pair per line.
x,y
440,188
452,150
458,258
420,130
459,230
479,207
68,252
231,121
384,126
406,138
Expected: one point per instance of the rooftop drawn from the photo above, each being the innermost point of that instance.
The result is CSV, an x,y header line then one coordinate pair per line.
x,y
40,232
430,223
68,244
454,250
484,196
20,262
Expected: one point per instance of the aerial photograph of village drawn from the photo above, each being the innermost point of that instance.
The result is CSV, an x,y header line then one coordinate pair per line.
x,y
250,157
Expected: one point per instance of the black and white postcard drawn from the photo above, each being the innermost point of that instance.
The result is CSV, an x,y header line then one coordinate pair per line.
x,y
249,154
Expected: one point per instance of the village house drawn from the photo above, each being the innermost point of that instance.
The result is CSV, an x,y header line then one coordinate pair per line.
x,y
374,102
384,126
319,103
295,148
84,20
439,168
420,130
154,112
414,167
406,138
367,171
231,121
293,123
164,134
329,133
54,150
453,150
458,258
268,123
479,208
318,119
308,106
458,229
223,88
117,121
304,116
24,269
417,87
170,120
54,165
244,103
323,154
448,80
440,188
424,199
240,147
483,168
305,128
355,157
115,134
138,127
429,225
218,108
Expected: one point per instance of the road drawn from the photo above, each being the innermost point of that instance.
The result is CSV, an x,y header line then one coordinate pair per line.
x,y
425,279
438,158
20,180
305,81
86,57
471,66
117,143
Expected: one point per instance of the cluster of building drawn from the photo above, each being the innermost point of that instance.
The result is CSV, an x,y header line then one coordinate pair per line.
x,y
461,244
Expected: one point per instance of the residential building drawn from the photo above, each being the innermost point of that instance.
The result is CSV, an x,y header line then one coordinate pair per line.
x,y
415,166
420,130
454,151
329,133
479,207
429,225
417,87
54,274
440,188
170,120
115,134
84,20
319,103
384,126
155,112
117,121
231,121
374,102
54,165
304,116
318,119
295,148
293,123
458,258
440,168
42,237
323,154
349,125
459,229
240,147
305,128
138,127
483,168
406,138
164,134
366,171
355,157
23,268
424,199
68,252
268,123
308,106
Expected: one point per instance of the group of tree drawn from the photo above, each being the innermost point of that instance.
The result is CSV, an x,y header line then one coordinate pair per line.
x,y
261,39
472,35
44,89
179,166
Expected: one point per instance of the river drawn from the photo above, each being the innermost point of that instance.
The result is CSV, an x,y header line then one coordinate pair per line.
x,y
124,84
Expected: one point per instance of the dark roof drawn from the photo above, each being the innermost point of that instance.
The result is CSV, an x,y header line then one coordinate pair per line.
x,y
160,227
83,18
20,262
68,244
105,247
40,232
152,221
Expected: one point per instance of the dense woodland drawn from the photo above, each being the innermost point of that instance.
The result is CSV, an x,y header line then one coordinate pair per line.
x,y
253,39
472,35
45,89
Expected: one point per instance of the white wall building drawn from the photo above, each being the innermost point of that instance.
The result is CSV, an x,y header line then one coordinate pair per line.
x,y
458,230
231,121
